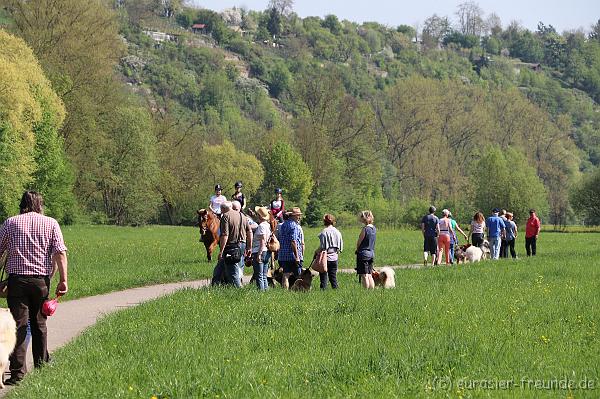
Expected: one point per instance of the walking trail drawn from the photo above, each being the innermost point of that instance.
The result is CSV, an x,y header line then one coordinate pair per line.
x,y
73,317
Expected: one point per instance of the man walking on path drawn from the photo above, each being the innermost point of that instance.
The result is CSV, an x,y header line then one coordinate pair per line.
x,y
431,230
35,250
532,230
496,232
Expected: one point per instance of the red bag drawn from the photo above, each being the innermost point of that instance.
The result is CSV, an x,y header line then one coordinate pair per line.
x,y
49,306
319,263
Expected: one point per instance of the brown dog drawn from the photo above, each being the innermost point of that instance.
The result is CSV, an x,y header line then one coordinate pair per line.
x,y
305,281
460,254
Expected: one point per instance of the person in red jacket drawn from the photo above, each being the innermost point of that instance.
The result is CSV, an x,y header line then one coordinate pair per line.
x,y
532,230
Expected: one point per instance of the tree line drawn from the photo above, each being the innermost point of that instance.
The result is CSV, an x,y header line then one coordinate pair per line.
x,y
343,116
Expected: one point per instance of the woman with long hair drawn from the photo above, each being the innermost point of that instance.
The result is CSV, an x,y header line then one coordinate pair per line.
x,y
477,229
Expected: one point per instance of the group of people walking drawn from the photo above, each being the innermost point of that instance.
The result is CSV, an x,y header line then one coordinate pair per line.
x,y
246,233
440,234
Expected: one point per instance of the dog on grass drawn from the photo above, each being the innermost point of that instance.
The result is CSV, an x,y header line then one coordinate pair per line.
x,y
8,338
475,254
384,277
460,253
305,281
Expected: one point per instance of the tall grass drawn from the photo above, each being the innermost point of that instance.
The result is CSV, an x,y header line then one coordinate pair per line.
x,y
441,332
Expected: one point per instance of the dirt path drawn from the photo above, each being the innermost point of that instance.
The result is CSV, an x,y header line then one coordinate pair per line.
x,y
73,317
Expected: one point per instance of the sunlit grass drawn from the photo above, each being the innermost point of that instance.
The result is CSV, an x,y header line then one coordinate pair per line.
x,y
528,320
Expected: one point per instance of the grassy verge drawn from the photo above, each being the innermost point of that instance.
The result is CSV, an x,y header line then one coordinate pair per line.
x,y
490,329
105,258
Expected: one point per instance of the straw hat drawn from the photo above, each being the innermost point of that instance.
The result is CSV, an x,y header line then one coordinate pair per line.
x,y
296,211
262,212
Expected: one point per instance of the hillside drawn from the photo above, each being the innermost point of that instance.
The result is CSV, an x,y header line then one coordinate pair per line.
x,y
342,115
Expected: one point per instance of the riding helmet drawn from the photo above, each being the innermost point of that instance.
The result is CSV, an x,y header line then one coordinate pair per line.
x,y
278,190
238,184
218,187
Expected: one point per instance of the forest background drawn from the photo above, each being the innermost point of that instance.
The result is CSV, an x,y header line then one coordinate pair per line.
x,y
130,111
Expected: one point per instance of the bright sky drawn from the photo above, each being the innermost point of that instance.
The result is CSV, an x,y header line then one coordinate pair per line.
x,y
562,14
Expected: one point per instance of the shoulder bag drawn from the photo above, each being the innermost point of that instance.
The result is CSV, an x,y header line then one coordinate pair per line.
x,y
319,263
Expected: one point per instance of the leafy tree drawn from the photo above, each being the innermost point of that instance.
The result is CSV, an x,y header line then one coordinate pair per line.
x,y
595,32
586,197
274,22
127,186
528,48
31,151
461,39
286,169
407,30
505,179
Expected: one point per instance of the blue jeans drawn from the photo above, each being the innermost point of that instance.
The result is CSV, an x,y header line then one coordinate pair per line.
x,y
495,246
241,262
261,268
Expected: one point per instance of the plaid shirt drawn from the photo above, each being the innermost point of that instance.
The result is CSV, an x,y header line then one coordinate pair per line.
x,y
31,239
289,231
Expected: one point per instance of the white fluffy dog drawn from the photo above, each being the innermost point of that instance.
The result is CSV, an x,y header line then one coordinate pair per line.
x,y
475,254
8,339
385,277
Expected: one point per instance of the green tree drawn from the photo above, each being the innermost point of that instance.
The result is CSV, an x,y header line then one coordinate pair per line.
x,y
586,197
31,151
127,187
286,170
503,178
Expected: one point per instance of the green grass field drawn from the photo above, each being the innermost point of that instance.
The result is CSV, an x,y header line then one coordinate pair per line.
x,y
494,329
105,258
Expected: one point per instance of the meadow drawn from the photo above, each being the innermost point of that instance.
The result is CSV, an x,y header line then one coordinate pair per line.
x,y
107,258
525,328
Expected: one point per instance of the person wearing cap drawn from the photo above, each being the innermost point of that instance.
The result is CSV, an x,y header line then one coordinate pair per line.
x,y
260,254
291,250
446,236
496,229
532,230
239,196
217,200
511,234
277,206
431,230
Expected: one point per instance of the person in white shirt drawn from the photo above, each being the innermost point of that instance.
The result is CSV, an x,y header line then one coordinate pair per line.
x,y
216,200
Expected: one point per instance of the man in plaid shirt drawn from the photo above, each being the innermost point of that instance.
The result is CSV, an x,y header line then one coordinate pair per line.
x,y
35,250
291,252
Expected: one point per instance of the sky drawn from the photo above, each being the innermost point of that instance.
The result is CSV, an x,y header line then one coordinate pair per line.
x,y
562,14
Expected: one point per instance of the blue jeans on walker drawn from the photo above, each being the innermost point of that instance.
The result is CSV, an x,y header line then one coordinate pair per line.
x,y
241,262
495,246
261,268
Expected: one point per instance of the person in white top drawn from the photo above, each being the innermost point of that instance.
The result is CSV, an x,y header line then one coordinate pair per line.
x,y
260,254
216,200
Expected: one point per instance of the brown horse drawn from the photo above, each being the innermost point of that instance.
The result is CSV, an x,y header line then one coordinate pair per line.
x,y
209,230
